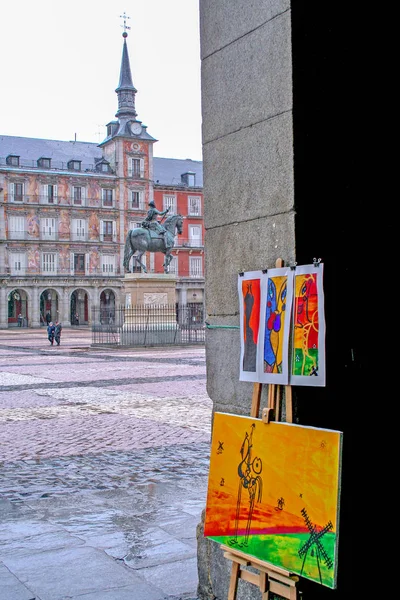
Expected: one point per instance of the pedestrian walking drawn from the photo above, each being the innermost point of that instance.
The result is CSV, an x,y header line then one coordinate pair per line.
x,y
76,319
48,318
20,319
50,332
57,332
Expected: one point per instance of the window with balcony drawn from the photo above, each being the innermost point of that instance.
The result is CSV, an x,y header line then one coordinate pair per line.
x,y
12,160
49,263
173,266
48,228
78,195
137,268
195,266
107,197
169,201
16,192
16,228
194,208
79,229
137,201
136,167
79,264
18,263
195,236
108,230
108,264
50,194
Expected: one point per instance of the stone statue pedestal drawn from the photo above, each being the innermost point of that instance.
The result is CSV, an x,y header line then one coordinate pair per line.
x,y
150,314
149,288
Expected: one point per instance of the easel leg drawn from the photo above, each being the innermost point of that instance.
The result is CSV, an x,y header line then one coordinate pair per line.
x,y
234,581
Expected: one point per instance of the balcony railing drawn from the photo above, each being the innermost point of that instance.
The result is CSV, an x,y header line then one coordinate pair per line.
x,y
25,272
43,236
108,237
59,200
188,243
25,163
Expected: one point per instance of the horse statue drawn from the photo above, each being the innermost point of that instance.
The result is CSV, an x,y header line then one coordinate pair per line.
x,y
145,239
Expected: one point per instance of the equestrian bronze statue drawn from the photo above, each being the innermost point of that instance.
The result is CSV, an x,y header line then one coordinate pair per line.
x,y
148,238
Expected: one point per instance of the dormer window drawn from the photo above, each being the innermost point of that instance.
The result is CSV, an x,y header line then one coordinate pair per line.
x,y
189,179
45,163
103,166
12,160
112,128
74,165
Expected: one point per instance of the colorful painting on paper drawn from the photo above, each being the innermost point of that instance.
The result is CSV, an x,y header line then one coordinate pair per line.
x,y
308,344
276,306
249,289
273,493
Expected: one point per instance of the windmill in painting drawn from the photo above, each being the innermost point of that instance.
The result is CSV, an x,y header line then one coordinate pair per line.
x,y
290,517
314,544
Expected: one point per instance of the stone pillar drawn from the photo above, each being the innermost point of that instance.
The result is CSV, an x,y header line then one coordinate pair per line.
x,y
95,306
34,309
64,316
3,307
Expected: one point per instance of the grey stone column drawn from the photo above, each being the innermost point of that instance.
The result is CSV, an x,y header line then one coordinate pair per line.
x,y
3,307
64,316
34,309
95,306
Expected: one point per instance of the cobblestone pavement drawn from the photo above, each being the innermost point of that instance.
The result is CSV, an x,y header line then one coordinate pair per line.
x,y
103,468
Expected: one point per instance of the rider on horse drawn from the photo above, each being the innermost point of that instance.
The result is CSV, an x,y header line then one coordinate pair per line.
x,y
151,221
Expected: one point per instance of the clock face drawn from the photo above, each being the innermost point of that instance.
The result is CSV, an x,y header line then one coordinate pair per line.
x,y
136,128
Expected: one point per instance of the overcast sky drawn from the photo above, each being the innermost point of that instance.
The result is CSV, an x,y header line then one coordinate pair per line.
x,y
60,63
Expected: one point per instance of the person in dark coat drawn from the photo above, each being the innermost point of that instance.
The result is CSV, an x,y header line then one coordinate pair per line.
x,y
57,332
50,332
48,318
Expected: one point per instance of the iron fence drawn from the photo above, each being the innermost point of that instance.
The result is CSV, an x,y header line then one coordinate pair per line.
x,y
149,325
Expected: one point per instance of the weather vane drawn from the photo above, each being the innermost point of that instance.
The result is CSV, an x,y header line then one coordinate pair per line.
x,y
125,26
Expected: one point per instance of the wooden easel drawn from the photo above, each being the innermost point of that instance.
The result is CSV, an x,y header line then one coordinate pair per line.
x,y
270,579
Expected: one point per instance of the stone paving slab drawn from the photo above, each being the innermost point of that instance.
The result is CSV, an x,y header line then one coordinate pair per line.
x,y
103,468
86,570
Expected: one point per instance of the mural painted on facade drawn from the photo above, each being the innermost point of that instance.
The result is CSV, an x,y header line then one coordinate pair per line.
x,y
33,259
93,193
94,261
64,225
33,225
63,260
93,227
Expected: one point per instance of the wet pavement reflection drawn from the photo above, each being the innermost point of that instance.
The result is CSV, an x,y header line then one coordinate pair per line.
x,y
101,486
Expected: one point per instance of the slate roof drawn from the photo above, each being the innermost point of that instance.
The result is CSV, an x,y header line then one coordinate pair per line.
x,y
167,171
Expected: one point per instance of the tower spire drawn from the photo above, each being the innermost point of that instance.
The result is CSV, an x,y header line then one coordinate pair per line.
x,y
126,91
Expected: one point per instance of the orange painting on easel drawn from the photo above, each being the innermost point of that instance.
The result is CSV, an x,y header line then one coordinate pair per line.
x,y
273,493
